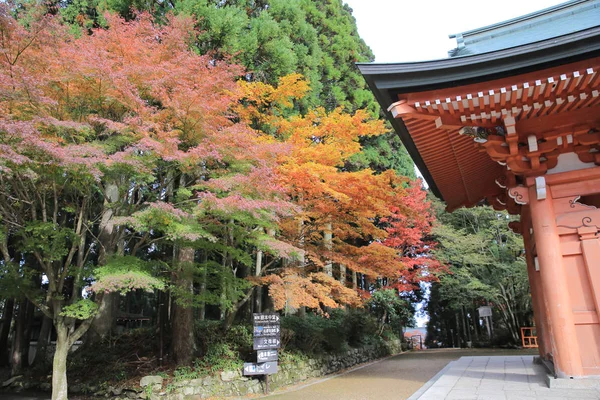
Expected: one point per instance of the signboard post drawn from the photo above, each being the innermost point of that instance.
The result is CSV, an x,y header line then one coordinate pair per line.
x,y
267,339
485,312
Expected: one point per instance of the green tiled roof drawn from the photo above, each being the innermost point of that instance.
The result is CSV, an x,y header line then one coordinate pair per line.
x,y
562,19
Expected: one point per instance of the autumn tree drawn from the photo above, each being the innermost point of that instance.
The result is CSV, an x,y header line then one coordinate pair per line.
x,y
410,233
342,214
275,38
113,143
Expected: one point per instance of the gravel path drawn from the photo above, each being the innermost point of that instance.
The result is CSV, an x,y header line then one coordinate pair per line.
x,y
394,378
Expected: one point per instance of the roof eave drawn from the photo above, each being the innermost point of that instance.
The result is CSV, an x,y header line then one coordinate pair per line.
x,y
387,81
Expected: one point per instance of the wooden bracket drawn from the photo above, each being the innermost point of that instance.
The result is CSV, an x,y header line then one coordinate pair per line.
x,y
520,194
540,187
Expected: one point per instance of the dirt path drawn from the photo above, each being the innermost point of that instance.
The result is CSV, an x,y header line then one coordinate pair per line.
x,y
394,378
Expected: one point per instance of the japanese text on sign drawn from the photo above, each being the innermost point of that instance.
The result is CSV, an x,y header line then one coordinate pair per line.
x,y
261,343
260,318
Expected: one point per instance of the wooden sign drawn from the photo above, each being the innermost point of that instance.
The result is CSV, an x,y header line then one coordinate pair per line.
x,y
267,368
266,355
485,311
264,343
266,330
265,318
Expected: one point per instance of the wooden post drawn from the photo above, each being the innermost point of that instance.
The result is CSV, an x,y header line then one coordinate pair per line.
x,y
563,337
537,293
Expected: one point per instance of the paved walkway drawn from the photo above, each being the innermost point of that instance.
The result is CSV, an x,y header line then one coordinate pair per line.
x,y
394,378
476,374
496,378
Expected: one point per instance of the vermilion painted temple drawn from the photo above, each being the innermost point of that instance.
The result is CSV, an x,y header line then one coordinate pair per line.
x,y
512,118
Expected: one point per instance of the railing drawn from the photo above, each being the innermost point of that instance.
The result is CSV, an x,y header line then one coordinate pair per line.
x,y
529,337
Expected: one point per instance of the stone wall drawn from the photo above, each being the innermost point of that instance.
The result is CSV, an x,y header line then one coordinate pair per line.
x,y
233,383
223,384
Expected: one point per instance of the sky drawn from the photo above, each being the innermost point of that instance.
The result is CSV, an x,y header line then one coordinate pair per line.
x,y
417,30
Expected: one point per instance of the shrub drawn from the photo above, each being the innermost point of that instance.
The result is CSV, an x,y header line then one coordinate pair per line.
x,y
316,334
361,327
220,357
335,332
222,350
308,332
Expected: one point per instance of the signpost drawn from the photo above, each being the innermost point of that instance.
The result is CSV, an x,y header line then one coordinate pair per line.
x,y
267,339
266,355
268,330
266,368
485,312
263,343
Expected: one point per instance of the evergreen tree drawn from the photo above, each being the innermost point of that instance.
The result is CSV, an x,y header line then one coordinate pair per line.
x,y
486,261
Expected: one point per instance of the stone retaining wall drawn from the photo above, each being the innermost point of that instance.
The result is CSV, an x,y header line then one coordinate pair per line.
x,y
225,383
233,383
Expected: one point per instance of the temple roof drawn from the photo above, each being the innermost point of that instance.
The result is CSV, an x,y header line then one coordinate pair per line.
x,y
530,81
562,19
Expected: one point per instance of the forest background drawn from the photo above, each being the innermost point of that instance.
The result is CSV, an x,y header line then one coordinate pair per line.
x,y
193,162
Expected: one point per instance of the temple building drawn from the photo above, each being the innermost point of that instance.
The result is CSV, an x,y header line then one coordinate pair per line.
x,y
512,119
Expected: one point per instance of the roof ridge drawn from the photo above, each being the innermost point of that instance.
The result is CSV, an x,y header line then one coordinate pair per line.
x,y
519,19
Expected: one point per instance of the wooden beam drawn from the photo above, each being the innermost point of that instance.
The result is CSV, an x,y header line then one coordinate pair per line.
x,y
564,121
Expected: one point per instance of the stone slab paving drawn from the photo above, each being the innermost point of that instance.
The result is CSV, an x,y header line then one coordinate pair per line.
x,y
496,378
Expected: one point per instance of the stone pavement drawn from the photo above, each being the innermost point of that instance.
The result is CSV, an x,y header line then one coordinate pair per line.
x,y
495,378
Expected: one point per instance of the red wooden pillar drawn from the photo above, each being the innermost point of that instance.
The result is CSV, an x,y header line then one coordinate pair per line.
x,y
537,294
565,349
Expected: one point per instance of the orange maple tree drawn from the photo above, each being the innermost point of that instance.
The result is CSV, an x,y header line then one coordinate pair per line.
x,y
340,215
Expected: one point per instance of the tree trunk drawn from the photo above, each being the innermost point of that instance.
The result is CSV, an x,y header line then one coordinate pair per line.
x,y
231,315
466,327
163,323
327,241
202,311
354,280
343,274
9,306
183,345
59,365
105,320
258,291
458,335
475,319
42,342
223,297
19,339
27,333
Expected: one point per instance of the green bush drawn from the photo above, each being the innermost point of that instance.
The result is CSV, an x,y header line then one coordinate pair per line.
x,y
335,332
211,332
361,327
220,357
222,350
308,332
316,334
